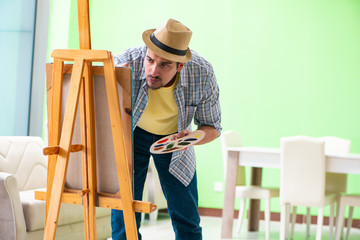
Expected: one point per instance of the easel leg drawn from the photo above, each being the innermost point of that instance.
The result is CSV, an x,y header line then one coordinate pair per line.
x,y
85,185
54,115
89,131
63,155
118,139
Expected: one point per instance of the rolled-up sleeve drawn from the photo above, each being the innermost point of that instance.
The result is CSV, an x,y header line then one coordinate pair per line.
x,y
208,111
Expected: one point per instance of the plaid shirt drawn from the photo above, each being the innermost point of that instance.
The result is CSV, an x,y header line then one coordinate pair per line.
x,y
196,95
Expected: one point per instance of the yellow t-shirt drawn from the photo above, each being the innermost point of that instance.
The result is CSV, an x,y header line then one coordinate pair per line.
x,y
161,114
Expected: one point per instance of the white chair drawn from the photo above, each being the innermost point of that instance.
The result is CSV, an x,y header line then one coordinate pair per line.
x,y
303,171
334,182
346,200
244,192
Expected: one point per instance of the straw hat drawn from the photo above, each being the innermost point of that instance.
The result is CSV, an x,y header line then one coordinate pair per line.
x,y
169,41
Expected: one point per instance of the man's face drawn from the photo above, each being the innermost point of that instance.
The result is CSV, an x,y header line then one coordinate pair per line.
x,y
159,71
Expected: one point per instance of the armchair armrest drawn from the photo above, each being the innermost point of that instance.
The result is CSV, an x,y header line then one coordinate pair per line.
x,y
12,222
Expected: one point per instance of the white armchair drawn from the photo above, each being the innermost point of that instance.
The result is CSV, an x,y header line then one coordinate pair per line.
x,y
23,169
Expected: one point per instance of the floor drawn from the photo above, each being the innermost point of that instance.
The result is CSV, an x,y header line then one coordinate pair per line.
x,y
162,230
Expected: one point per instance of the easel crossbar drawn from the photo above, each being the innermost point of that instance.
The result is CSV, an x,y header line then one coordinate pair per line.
x,y
55,149
87,55
105,201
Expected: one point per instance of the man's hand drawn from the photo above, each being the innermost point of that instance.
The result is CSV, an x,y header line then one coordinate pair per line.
x,y
181,134
210,135
122,65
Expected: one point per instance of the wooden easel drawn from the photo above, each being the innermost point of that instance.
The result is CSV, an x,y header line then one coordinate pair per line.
x,y
60,144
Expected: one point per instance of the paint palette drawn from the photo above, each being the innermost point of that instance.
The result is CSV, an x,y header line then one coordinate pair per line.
x,y
167,145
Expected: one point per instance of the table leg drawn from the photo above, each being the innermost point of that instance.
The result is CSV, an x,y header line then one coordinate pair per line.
x,y
230,184
254,206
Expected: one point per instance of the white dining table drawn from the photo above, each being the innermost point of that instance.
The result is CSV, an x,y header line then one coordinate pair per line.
x,y
258,158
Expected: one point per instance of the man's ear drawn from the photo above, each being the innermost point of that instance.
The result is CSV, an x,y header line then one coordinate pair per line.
x,y
181,66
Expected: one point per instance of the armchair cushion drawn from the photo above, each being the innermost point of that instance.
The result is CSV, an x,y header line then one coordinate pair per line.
x,y
34,212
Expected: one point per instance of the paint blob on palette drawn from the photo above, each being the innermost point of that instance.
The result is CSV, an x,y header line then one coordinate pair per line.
x,y
167,145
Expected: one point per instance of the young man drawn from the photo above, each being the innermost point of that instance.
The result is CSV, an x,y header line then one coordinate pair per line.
x,y
172,85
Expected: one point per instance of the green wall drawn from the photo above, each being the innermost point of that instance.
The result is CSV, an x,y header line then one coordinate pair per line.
x,y
284,67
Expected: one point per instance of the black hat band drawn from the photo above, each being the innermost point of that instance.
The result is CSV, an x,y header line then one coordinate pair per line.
x,y
165,47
